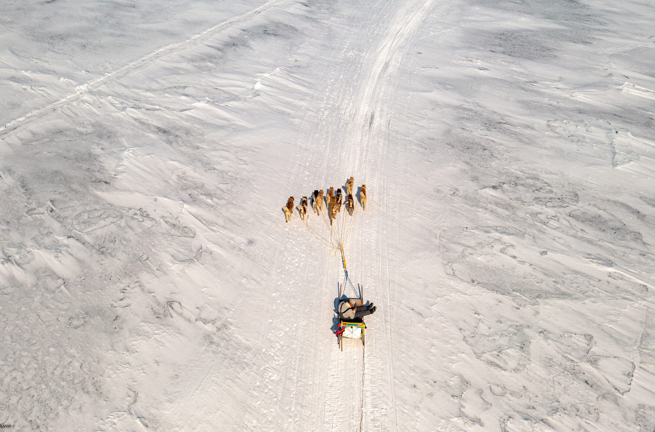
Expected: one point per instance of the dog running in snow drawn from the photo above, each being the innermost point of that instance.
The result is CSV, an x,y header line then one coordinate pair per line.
x,y
350,204
302,209
349,186
288,210
333,208
362,196
317,201
339,198
319,205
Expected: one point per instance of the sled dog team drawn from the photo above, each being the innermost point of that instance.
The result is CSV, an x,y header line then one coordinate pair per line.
x,y
333,202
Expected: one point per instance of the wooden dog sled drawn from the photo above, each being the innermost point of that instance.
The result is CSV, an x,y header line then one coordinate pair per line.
x,y
351,328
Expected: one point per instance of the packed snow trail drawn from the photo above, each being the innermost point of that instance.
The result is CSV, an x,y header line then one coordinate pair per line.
x,y
353,141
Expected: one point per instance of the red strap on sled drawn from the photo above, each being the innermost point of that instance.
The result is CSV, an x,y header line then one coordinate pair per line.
x,y
339,331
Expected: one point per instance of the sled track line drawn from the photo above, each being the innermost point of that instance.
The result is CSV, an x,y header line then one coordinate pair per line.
x,y
357,111
394,52
324,130
361,407
375,121
84,89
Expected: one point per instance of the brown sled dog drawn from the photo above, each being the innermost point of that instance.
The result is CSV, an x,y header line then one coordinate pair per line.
x,y
302,209
320,201
349,186
333,209
350,204
339,199
314,200
330,195
317,201
362,196
288,210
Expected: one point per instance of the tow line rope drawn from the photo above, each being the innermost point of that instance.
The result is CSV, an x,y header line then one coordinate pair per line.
x,y
319,237
343,228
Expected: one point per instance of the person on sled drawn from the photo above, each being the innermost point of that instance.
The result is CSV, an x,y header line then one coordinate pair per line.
x,y
352,308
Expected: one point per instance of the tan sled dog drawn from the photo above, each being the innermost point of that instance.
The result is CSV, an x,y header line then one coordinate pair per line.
x,y
362,196
302,209
350,204
328,200
349,186
317,201
288,210
319,205
333,209
316,205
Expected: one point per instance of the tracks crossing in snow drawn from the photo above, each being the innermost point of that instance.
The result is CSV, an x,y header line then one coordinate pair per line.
x,y
84,89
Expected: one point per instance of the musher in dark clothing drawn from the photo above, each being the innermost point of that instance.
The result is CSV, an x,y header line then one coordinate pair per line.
x,y
351,309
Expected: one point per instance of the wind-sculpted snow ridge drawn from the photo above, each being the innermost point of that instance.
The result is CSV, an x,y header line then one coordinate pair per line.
x,y
148,279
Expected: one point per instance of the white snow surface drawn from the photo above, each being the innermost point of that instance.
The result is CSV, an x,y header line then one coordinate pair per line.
x,y
148,280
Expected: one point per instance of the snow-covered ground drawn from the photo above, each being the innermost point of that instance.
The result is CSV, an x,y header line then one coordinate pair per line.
x,y
148,280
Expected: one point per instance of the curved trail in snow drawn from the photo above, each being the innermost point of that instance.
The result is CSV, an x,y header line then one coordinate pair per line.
x,y
349,135
142,62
